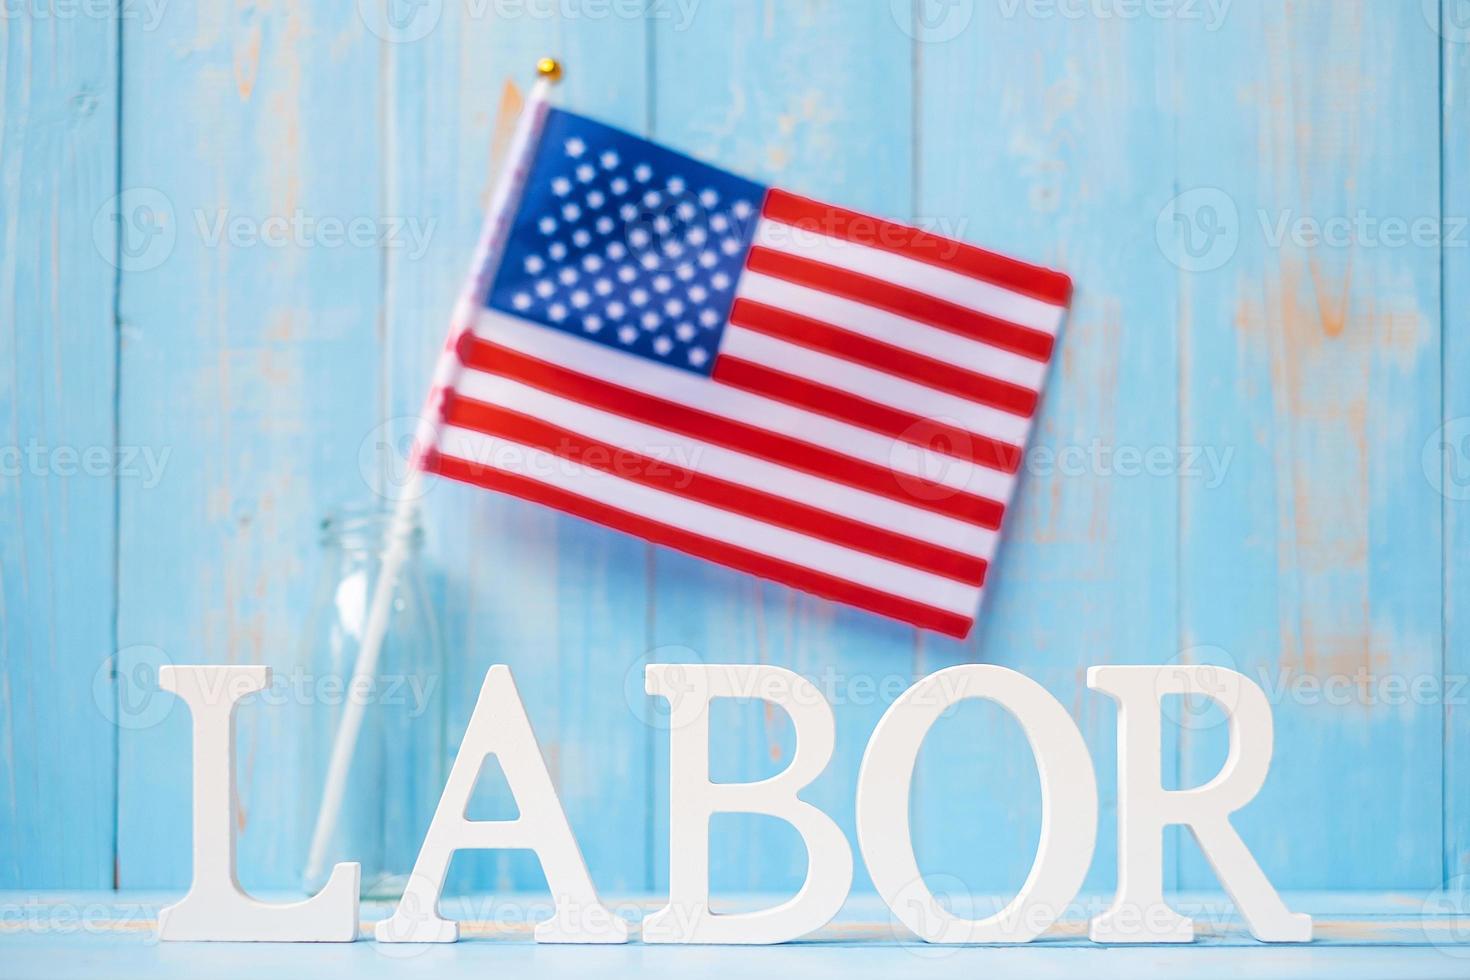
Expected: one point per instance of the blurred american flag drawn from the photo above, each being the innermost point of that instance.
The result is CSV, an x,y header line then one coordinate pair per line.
x,y
795,390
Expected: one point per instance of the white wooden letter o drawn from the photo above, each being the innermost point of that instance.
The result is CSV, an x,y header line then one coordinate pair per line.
x,y
1068,791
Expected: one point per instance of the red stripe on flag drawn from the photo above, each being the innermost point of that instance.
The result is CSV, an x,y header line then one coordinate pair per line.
x,y
904,302
496,420
1046,285
741,559
931,434
482,355
881,356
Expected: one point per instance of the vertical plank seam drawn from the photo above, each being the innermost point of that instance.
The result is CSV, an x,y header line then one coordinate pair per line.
x,y
1182,743
650,732
916,117
916,197
650,69
916,162
650,579
115,613
387,175
1445,824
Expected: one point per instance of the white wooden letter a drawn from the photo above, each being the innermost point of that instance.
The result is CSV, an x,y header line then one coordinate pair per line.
x,y
215,908
500,727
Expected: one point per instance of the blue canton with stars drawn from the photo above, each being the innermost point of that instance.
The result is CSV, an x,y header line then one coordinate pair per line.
x,y
628,244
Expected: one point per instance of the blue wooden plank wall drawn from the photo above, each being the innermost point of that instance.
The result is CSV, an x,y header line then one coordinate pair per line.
x,y
1255,452
60,474
1318,556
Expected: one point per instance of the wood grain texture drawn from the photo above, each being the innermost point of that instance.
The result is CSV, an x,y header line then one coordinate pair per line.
x,y
1254,451
250,359
1316,363
58,471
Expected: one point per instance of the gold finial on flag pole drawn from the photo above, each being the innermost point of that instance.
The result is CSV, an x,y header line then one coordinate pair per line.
x,y
549,69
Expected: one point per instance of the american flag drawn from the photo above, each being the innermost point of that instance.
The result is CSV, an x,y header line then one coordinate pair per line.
x,y
791,389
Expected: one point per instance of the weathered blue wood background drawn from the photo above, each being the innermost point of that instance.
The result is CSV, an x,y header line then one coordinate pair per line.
x,y
1256,449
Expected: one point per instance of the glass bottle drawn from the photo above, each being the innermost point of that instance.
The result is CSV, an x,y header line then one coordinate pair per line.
x,y
397,770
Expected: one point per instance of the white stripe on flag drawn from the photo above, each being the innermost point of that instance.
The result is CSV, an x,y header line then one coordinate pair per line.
x,y
875,386
954,287
701,457
674,384
711,522
890,328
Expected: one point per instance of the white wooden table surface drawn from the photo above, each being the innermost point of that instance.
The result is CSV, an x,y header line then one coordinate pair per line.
x,y
1360,935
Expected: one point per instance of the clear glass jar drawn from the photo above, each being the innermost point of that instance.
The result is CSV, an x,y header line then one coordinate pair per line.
x,y
397,770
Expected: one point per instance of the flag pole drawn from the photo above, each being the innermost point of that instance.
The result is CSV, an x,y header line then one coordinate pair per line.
x,y
493,233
